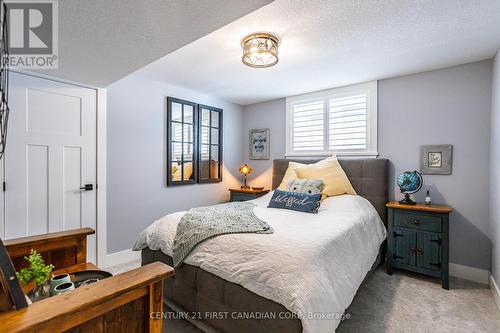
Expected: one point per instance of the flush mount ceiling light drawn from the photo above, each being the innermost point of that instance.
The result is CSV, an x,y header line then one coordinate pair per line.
x,y
260,50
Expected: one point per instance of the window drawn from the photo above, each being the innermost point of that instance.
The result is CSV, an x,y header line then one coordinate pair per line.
x,y
181,131
194,143
341,121
210,154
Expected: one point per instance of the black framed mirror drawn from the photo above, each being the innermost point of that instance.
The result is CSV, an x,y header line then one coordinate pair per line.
x,y
210,144
182,142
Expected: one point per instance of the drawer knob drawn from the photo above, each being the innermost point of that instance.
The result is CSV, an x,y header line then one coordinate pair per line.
x,y
416,250
415,221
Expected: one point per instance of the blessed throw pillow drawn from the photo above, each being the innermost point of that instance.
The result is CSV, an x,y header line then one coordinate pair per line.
x,y
309,186
290,174
332,174
301,202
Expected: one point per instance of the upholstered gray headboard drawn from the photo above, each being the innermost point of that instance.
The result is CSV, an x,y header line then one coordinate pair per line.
x,y
369,177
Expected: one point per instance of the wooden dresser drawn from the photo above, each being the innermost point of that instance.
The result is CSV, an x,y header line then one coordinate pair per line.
x,y
418,239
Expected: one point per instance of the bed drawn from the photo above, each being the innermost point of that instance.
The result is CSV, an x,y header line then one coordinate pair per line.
x,y
236,303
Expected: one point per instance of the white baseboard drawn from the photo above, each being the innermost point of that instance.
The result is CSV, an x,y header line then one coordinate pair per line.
x,y
121,257
495,291
469,273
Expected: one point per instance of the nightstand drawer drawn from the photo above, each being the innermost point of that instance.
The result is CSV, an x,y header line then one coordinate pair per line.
x,y
418,221
241,197
244,195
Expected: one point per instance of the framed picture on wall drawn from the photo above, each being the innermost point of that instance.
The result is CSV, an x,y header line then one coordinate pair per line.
x,y
259,140
436,159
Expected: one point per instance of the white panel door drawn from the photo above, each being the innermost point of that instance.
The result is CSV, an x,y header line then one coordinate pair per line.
x,y
50,155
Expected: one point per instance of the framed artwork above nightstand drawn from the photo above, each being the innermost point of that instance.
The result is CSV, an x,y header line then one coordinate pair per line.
x,y
239,194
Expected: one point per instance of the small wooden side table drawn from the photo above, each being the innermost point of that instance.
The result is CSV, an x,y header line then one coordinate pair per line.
x,y
239,194
418,239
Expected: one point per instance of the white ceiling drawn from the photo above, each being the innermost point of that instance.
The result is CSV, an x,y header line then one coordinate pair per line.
x,y
334,43
101,41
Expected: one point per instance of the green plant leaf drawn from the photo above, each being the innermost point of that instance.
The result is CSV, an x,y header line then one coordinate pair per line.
x,y
37,270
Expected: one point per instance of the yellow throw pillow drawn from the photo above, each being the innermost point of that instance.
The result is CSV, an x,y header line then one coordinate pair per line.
x,y
174,167
332,174
176,175
188,171
290,174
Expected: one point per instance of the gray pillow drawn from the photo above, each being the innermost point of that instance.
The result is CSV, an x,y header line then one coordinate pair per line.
x,y
308,186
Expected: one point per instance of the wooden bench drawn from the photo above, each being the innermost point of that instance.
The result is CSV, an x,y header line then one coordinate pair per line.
x,y
128,302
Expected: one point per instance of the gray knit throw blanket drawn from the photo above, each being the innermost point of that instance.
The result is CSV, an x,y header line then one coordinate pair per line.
x,y
202,223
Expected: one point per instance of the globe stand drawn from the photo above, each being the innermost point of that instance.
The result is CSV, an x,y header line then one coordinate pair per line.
x,y
407,200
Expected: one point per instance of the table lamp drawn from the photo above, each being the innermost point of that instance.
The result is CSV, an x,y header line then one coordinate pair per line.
x,y
245,170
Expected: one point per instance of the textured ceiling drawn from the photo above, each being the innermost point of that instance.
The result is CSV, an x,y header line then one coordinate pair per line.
x,y
101,41
333,43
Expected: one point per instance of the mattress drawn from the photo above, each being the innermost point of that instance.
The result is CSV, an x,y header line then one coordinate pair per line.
x,y
312,265
209,302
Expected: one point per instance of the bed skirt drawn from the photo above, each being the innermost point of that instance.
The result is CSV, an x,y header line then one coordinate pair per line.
x,y
216,305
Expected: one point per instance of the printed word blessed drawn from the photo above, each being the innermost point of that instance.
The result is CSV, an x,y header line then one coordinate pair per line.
x,y
290,200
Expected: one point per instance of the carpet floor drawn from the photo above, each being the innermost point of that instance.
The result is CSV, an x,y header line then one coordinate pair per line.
x,y
403,302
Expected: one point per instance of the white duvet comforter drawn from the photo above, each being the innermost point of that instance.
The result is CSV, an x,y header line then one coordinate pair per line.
x,y
313,264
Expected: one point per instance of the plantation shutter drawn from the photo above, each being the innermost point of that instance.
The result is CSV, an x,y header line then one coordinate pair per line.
x,y
348,123
308,126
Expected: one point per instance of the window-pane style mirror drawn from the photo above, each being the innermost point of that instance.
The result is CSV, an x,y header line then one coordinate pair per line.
x,y
182,136
210,154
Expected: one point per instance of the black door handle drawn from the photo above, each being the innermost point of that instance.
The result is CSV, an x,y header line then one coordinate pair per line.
x,y
87,187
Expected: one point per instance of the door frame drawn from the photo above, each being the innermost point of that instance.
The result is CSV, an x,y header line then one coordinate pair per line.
x,y
101,188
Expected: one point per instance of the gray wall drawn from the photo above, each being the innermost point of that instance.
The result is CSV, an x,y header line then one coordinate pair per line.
x,y
446,106
137,194
495,171
270,115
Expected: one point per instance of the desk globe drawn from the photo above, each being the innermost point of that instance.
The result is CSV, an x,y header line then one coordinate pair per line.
x,y
409,182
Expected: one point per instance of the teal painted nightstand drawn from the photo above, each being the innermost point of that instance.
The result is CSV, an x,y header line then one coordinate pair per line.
x,y
238,194
418,239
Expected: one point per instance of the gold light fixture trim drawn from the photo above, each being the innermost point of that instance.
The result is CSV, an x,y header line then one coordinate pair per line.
x,y
260,50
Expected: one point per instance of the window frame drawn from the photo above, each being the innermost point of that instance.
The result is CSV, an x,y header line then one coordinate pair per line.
x,y
368,88
169,150
220,143
197,128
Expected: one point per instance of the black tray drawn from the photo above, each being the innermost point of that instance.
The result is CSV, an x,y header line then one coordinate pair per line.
x,y
79,277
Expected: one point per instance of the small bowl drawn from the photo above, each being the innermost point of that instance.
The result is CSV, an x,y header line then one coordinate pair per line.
x,y
89,281
257,188
57,280
64,288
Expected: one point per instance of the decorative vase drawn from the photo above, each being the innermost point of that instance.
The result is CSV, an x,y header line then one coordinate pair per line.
x,y
39,292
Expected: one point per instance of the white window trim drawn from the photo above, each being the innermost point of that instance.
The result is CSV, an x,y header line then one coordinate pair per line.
x,y
368,88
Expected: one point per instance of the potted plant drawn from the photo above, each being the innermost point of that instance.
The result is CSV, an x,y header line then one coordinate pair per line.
x,y
38,273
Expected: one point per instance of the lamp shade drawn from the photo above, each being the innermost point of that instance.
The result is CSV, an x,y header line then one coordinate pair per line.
x,y
260,50
245,169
